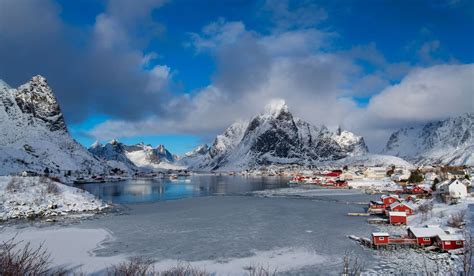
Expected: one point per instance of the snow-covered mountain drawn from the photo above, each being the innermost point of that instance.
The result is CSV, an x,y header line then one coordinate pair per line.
x,y
275,137
34,135
136,156
449,141
114,154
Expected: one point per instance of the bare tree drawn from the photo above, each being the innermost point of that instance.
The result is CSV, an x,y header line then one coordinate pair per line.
x,y
184,269
425,209
467,252
133,267
259,270
26,260
351,264
457,219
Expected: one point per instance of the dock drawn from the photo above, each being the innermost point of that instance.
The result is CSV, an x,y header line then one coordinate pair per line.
x,y
377,221
358,214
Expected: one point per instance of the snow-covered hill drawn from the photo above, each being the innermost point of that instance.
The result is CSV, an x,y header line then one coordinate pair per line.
x,y
449,141
275,137
134,157
34,135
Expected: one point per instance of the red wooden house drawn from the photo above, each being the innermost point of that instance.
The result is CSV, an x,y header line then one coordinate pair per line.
x,y
397,218
340,183
380,239
448,242
425,236
402,207
376,207
333,174
389,199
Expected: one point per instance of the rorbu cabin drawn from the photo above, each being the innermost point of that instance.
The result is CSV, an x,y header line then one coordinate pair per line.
x,y
397,218
448,242
380,238
402,207
389,199
425,236
376,207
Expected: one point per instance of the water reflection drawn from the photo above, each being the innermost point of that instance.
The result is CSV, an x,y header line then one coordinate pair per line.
x,y
149,190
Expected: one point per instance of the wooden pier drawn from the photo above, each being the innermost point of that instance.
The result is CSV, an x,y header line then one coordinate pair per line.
x,y
358,214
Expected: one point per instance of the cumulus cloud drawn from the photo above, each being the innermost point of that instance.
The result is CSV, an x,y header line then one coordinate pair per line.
x,y
103,70
424,95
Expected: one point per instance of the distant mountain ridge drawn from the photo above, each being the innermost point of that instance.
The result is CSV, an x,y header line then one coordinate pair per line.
x,y
134,157
275,137
449,141
34,135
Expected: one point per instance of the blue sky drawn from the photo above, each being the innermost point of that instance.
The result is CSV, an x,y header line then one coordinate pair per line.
x,y
144,70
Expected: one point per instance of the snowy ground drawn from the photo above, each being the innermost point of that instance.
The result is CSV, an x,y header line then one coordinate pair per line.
x,y
69,247
30,197
385,184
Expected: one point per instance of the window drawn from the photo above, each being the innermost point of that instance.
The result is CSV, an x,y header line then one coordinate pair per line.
x,y
381,238
426,239
459,242
447,243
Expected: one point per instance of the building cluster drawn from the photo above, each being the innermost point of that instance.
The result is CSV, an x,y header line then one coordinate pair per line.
x,y
429,235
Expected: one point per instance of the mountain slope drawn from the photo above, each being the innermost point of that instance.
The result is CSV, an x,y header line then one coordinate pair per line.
x,y
34,135
276,137
449,141
135,156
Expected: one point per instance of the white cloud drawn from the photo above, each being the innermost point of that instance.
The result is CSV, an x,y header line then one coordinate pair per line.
x,y
425,94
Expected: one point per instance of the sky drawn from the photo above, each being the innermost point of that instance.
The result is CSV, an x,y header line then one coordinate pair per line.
x,y
179,72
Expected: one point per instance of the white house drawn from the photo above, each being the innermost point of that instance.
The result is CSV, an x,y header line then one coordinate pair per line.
x,y
401,175
455,189
375,172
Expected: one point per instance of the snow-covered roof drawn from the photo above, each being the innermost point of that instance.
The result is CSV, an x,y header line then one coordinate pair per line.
x,y
427,231
397,214
387,196
408,204
378,234
451,237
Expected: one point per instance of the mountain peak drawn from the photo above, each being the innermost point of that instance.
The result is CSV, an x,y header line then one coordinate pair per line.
x,y
96,144
39,79
275,107
114,142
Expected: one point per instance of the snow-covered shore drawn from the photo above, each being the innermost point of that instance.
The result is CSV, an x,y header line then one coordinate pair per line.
x,y
31,197
419,260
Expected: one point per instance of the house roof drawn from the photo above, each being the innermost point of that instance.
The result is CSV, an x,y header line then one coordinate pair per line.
x,y
380,234
387,196
457,172
451,237
408,204
397,214
427,231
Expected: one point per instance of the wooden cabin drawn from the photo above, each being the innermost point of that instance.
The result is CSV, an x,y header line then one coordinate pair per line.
x,y
425,236
402,207
397,218
448,242
380,238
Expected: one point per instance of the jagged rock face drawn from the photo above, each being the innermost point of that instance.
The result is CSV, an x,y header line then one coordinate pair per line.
x,y
447,142
276,137
113,151
134,156
37,99
34,135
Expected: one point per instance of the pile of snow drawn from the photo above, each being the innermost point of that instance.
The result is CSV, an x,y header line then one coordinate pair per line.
x,y
30,197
